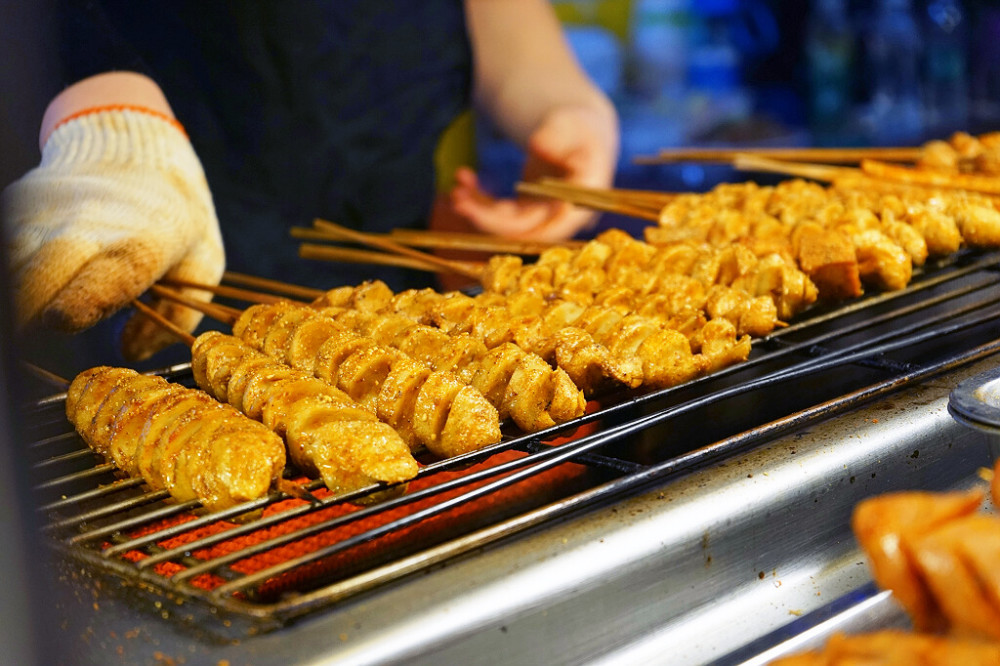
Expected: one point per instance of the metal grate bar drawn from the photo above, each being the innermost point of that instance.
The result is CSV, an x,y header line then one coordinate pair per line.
x,y
605,462
97,470
62,437
100,491
81,454
109,509
366,512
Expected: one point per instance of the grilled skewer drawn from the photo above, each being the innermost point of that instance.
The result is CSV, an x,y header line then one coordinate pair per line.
x,y
840,236
327,433
598,346
431,409
175,438
520,384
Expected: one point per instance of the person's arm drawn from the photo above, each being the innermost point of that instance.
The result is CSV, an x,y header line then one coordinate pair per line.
x,y
530,84
111,89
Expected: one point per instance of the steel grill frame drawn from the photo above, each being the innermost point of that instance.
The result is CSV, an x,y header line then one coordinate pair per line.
x,y
76,538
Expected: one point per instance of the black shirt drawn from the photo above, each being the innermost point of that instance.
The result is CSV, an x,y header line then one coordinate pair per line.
x,y
297,108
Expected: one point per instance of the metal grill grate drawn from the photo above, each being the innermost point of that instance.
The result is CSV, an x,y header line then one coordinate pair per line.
x,y
277,558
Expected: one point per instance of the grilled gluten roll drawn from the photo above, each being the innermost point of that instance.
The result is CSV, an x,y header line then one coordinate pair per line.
x,y
430,409
327,432
599,347
520,384
175,438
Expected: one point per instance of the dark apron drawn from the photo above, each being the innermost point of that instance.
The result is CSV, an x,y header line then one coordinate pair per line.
x,y
297,108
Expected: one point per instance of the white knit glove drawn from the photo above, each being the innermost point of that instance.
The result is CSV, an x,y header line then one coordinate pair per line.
x,y
118,201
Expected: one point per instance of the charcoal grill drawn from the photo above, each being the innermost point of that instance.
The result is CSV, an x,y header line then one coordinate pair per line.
x,y
706,522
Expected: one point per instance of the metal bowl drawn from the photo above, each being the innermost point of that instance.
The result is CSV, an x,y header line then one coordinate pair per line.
x,y
975,402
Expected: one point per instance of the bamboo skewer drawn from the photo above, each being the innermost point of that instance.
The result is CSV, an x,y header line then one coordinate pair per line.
x,y
50,377
827,155
353,256
170,326
393,247
221,290
456,240
222,313
652,199
821,172
590,200
277,286
443,240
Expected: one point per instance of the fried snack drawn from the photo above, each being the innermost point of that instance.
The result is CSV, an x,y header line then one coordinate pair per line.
x,y
860,230
938,555
962,153
600,346
897,648
175,438
328,434
521,385
588,364
886,526
428,408
828,258
753,291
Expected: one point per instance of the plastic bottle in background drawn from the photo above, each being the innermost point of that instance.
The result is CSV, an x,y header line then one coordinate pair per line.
x,y
659,48
830,52
894,45
946,78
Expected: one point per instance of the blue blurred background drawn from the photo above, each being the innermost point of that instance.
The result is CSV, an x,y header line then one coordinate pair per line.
x,y
776,72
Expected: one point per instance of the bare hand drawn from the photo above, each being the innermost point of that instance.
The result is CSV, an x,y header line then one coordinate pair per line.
x,y
569,144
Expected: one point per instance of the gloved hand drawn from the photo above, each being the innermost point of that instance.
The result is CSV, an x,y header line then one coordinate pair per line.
x,y
118,201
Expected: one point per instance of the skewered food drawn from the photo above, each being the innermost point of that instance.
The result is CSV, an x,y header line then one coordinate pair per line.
x,y
518,382
889,230
962,153
598,345
433,409
327,432
752,291
175,438
521,385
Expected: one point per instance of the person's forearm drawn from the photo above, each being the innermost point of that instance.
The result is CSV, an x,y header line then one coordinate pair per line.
x,y
524,68
104,90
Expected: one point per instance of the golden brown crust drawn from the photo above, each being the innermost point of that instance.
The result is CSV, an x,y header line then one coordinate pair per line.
x,y
327,432
177,439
